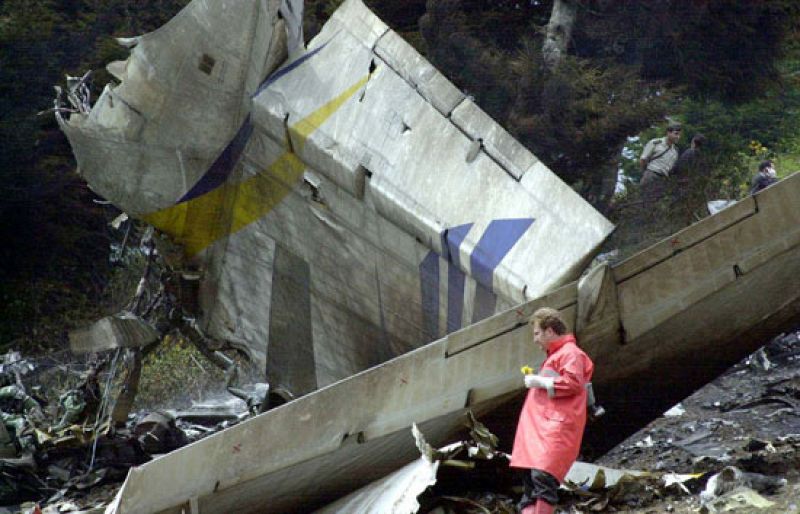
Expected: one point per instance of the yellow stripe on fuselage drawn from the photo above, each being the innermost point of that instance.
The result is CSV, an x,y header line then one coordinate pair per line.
x,y
201,221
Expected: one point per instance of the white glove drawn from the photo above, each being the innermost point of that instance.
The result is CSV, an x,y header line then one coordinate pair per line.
x,y
541,382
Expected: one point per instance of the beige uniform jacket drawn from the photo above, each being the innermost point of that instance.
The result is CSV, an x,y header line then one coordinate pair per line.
x,y
665,156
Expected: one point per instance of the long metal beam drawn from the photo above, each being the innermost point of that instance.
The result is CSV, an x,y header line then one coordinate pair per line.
x,y
657,325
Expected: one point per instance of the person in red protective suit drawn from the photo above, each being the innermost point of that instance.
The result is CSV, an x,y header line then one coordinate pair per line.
x,y
553,417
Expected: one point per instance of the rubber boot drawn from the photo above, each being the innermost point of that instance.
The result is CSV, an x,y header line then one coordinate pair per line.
x,y
542,507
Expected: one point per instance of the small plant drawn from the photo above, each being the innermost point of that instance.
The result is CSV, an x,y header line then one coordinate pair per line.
x,y
175,374
758,150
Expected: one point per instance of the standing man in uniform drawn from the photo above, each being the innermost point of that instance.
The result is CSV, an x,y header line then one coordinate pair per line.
x,y
658,157
553,417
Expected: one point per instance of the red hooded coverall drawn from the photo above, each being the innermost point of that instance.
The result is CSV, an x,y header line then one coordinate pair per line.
x,y
550,429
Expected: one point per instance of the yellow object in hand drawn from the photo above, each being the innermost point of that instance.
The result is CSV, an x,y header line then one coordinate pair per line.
x,y
526,370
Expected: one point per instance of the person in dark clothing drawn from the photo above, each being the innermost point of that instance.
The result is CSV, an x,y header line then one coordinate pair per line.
x,y
690,177
765,177
689,160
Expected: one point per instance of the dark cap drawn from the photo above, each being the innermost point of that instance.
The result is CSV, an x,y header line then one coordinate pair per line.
x,y
674,125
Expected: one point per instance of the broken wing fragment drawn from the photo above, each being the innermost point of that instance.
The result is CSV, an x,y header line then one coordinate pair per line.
x,y
397,240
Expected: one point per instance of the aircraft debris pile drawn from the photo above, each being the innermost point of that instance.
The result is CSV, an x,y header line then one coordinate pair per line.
x,y
375,243
59,444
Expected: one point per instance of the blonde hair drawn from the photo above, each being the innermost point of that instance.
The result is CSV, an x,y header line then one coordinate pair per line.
x,y
546,317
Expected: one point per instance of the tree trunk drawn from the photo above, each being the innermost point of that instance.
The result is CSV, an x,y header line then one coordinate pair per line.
x,y
559,32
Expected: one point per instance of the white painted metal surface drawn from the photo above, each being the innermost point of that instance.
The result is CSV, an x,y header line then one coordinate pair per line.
x,y
343,207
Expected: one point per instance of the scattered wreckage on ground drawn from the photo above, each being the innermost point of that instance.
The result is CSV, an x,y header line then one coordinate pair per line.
x,y
375,243
57,448
711,453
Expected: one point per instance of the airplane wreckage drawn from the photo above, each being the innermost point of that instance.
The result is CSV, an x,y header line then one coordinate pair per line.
x,y
375,242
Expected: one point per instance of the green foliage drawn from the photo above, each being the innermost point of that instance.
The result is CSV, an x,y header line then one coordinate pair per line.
x,y
502,24
39,313
472,61
581,116
401,16
731,50
787,157
739,136
787,164
725,49
574,119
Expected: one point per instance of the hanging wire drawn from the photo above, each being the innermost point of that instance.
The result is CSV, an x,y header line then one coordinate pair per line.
x,y
101,410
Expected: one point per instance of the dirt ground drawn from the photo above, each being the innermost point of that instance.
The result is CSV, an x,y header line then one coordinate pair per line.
x,y
747,418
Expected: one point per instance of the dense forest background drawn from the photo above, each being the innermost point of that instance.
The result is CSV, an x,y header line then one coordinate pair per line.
x,y
582,83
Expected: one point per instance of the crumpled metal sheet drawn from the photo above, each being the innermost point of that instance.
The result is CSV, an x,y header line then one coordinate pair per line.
x,y
180,100
345,207
732,485
396,493
594,477
596,487
124,330
399,491
742,499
